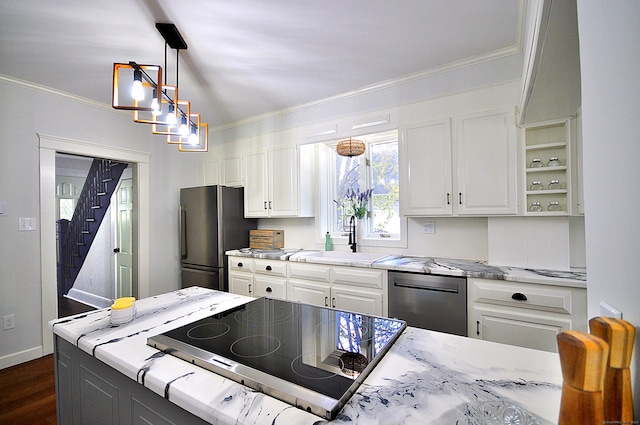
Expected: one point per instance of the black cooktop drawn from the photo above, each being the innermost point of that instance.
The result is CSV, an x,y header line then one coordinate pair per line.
x,y
311,357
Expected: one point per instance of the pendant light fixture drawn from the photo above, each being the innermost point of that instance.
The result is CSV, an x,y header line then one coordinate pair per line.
x,y
350,147
140,88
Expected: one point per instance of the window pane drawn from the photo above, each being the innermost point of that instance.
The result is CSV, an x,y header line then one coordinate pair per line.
x,y
384,180
66,208
346,177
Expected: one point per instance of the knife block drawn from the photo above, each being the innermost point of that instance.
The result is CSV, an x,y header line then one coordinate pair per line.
x,y
583,359
618,399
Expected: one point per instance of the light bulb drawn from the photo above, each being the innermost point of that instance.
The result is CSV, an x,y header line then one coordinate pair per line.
x,y
184,128
154,104
193,137
171,117
137,92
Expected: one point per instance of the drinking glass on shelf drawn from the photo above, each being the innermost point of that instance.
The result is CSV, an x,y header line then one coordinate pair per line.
x,y
535,163
535,207
553,162
536,185
554,185
553,206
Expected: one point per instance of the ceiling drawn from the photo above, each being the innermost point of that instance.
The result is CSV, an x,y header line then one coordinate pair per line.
x,y
250,57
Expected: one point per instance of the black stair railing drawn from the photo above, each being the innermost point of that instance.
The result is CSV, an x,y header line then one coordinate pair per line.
x,y
75,236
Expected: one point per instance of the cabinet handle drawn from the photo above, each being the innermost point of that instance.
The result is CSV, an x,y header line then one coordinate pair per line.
x,y
269,204
333,302
265,205
326,301
460,198
477,327
249,288
269,289
518,296
448,198
268,268
240,265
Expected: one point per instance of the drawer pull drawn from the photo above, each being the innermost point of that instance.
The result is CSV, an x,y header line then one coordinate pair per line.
x,y
326,301
269,289
268,268
518,296
477,327
240,265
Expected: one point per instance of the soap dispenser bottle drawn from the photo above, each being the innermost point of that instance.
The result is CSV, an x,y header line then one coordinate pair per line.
x,y
328,244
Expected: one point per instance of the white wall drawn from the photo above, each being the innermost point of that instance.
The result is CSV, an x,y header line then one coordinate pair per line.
x,y
26,111
610,64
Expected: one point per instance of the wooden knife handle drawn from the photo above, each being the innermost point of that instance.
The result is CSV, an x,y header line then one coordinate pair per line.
x,y
620,335
583,359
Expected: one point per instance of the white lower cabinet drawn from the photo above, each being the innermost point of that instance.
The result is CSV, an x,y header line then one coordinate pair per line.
x,y
356,289
524,314
241,270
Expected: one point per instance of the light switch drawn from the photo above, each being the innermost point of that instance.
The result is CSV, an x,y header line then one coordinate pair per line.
x,y
26,224
429,228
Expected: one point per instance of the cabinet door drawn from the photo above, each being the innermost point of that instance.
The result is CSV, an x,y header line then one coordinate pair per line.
x,y
270,287
241,284
309,293
283,182
487,163
232,171
256,190
425,170
357,301
537,331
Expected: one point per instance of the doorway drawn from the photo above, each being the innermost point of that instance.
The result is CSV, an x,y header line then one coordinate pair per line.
x,y
49,146
107,271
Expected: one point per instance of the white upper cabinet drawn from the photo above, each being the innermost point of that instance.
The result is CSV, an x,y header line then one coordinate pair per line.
x,y
425,169
273,183
487,163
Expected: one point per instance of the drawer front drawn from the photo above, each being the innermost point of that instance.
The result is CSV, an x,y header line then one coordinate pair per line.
x,y
526,296
241,264
270,287
370,278
271,267
303,271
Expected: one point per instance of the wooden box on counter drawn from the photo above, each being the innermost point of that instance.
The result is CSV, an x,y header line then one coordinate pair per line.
x,y
266,239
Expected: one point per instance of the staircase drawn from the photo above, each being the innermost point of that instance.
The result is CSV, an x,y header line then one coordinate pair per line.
x,y
76,236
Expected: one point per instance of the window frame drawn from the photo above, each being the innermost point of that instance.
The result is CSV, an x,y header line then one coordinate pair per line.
x,y
369,239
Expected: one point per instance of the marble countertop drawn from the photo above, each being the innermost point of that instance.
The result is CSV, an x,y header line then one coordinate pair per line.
x,y
426,377
427,265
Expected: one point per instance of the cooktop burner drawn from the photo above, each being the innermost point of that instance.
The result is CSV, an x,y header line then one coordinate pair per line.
x,y
311,357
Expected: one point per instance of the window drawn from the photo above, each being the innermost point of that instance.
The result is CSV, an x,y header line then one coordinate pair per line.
x,y
376,170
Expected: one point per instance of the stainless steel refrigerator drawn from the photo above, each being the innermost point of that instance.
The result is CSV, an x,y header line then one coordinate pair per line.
x,y
211,222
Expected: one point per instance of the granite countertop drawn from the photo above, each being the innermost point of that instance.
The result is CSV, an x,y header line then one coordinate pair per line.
x,y
428,265
426,377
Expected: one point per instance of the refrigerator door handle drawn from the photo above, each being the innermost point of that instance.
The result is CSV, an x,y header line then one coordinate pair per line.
x,y
183,232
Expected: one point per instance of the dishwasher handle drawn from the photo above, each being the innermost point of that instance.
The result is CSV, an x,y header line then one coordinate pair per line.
x,y
442,285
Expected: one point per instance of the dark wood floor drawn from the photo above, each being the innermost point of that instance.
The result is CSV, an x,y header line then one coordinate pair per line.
x,y
27,390
28,393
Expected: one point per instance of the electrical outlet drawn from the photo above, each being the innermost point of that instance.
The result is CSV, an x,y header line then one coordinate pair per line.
x,y
8,322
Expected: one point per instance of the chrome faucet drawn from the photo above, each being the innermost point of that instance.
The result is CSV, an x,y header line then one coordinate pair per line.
x,y
352,233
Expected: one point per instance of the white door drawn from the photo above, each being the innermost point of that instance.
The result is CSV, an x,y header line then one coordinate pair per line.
x,y
356,301
487,163
283,189
123,239
425,173
256,185
309,293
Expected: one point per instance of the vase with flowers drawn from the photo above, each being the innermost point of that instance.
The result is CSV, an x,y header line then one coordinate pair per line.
x,y
357,202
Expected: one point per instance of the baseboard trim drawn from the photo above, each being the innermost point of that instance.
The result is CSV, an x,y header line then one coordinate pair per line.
x,y
21,357
88,298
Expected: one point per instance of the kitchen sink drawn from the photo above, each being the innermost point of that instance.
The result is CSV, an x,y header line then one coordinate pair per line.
x,y
339,257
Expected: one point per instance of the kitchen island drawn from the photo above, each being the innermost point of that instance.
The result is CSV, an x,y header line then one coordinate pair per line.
x,y
425,378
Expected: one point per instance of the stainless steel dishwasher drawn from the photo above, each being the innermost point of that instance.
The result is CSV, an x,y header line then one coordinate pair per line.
x,y
426,301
